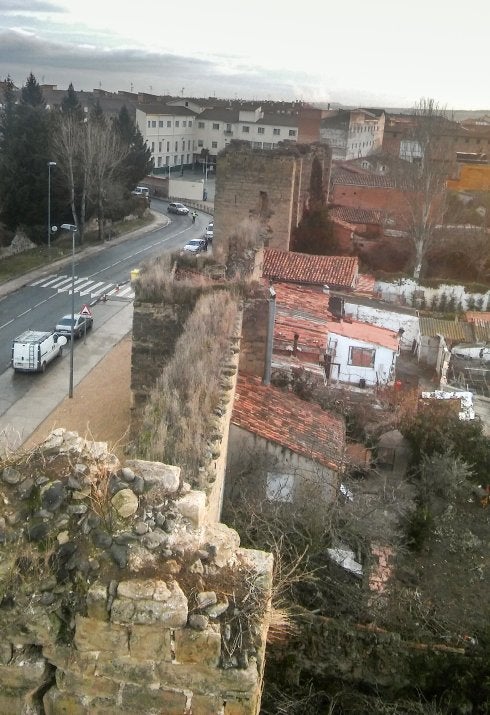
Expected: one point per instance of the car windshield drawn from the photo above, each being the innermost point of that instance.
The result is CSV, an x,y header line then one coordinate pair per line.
x,y
194,242
65,321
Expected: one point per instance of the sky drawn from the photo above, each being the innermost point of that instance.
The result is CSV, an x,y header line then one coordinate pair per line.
x,y
379,53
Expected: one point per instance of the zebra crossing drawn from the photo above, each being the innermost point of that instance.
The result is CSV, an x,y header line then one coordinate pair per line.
x,y
86,287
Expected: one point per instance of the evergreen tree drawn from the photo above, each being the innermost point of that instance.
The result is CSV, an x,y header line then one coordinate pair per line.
x,y
97,115
138,162
25,129
32,94
70,103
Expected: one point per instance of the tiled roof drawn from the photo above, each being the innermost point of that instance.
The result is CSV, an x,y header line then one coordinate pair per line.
x,y
449,329
343,177
366,333
365,284
477,316
223,114
481,332
353,215
334,271
283,418
302,300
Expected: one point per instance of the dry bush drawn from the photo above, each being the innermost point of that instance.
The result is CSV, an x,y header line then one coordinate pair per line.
x,y
156,283
176,418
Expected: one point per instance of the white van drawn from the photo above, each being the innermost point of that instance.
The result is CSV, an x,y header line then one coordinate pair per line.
x,y
34,349
141,191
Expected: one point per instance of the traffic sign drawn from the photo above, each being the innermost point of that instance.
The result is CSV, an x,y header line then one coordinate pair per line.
x,y
85,310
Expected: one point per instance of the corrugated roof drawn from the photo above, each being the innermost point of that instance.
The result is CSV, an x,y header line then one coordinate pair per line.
x,y
449,329
366,333
283,418
334,271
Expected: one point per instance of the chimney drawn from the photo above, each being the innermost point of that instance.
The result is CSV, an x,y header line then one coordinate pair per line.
x,y
270,337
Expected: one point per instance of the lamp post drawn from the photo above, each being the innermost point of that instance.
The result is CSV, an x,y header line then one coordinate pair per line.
x,y
73,229
50,164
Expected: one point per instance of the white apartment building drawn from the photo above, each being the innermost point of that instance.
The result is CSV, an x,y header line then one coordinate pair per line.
x,y
169,132
353,133
179,131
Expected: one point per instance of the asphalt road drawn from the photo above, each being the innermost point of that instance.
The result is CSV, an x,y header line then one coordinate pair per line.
x,y
38,300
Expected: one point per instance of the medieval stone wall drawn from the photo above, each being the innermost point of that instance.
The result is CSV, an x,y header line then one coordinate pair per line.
x,y
119,595
269,187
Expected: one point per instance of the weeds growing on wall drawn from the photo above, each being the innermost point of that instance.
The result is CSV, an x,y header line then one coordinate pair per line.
x,y
177,416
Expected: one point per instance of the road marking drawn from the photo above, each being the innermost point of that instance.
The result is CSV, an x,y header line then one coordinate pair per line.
x,y
7,323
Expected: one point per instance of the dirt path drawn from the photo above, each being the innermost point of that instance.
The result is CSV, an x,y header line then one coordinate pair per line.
x,y
100,406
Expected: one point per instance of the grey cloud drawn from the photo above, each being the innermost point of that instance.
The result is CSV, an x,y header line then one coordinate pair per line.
x,y
33,6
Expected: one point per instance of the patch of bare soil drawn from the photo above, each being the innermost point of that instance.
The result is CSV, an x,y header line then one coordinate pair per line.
x,y
100,407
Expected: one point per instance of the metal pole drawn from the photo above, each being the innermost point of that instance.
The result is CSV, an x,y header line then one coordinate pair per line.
x,y
72,338
269,343
50,164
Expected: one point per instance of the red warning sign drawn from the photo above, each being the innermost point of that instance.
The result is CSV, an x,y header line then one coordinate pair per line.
x,y
85,310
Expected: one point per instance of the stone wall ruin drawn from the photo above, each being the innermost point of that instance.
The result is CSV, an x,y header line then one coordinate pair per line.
x,y
117,592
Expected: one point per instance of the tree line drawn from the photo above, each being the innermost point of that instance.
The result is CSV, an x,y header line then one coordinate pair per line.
x,y
95,162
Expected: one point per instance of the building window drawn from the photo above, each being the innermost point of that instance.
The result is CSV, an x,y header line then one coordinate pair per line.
x,y
260,130
216,126
267,145
181,158
188,159
168,146
190,123
245,130
276,132
149,124
160,123
200,125
292,132
152,147
184,123
153,123
167,160
159,161
169,123
279,487
160,146
361,357
214,145
228,128
176,160
183,144
176,146
200,143
177,123
188,144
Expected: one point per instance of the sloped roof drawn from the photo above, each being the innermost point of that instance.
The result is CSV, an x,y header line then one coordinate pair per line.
x,y
477,316
366,333
449,329
334,271
283,418
167,109
356,178
353,215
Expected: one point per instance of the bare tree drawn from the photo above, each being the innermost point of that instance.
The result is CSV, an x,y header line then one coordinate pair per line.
x,y
88,154
104,153
421,173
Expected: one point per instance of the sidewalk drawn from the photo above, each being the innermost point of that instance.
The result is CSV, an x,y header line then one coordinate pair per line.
x,y
20,420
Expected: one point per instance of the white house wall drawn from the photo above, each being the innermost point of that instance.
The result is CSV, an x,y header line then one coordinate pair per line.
x,y
386,319
171,138
380,374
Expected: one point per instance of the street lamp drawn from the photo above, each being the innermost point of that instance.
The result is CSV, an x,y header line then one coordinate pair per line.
x,y
73,229
50,164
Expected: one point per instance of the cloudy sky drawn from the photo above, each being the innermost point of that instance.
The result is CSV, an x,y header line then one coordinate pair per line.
x,y
358,52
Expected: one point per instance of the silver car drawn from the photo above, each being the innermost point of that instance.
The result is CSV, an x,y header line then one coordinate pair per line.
x,y
176,208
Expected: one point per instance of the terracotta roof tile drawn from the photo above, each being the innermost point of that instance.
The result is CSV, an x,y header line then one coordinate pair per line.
x,y
365,284
344,177
367,333
353,215
334,271
285,419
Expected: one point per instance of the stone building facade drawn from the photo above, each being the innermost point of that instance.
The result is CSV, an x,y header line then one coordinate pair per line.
x,y
267,188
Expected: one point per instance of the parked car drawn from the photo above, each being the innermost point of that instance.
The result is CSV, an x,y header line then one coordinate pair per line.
x,y
32,350
176,208
209,232
195,245
81,324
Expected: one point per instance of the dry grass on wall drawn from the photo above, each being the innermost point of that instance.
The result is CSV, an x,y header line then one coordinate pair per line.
x,y
176,420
